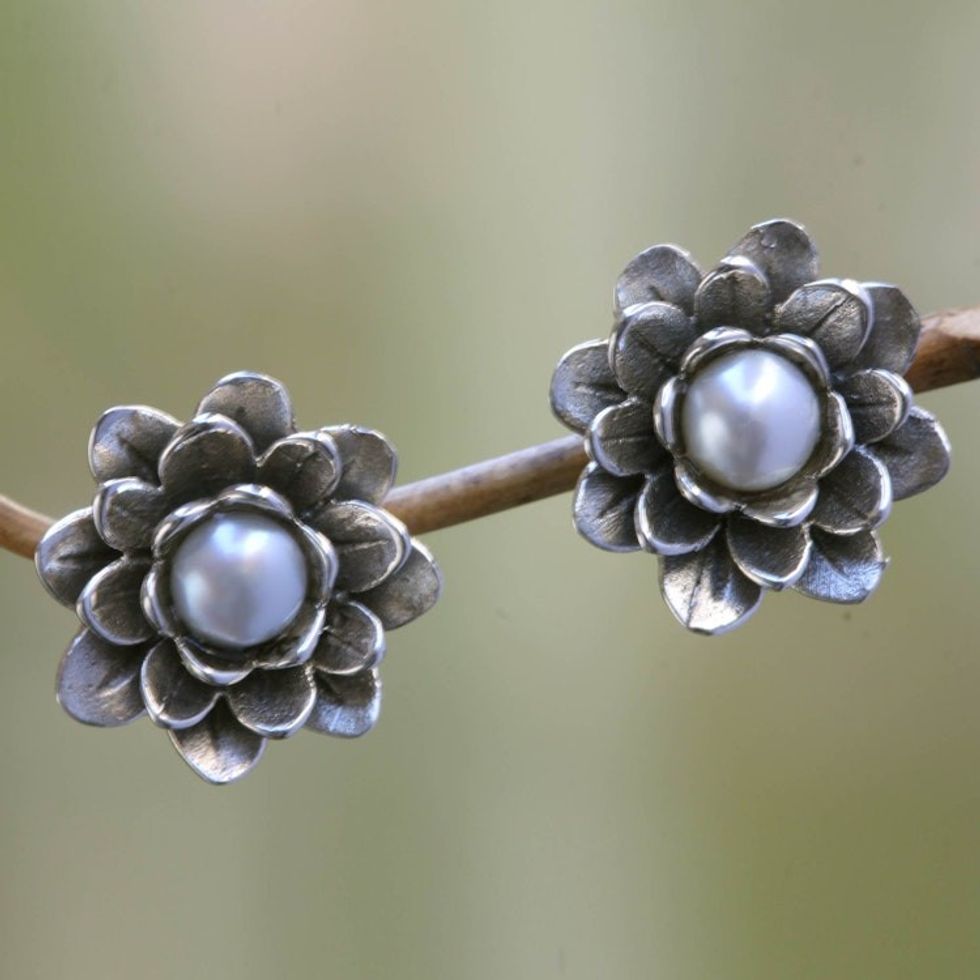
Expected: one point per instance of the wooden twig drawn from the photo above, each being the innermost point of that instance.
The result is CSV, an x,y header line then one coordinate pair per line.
x,y
948,353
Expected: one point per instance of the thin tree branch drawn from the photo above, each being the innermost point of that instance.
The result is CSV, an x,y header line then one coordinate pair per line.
x,y
948,354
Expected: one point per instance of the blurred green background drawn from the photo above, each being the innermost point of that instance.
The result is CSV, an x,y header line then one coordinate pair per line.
x,y
408,211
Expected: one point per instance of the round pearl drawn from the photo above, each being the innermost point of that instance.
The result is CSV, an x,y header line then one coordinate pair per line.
x,y
238,580
750,420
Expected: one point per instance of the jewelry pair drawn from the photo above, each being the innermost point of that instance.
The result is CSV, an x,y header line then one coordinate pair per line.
x,y
236,578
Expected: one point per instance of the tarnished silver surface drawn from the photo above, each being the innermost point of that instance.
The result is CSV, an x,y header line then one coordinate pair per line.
x,y
158,480
721,549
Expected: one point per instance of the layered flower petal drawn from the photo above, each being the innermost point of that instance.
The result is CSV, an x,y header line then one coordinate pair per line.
x,y
786,506
208,667
783,252
584,384
173,698
206,455
838,435
257,403
128,441
353,639
706,590
842,568
127,512
69,554
305,467
604,509
668,524
834,313
878,402
99,683
773,557
662,273
647,347
274,703
916,454
369,463
691,485
856,496
219,749
622,439
894,332
296,646
736,294
110,604
346,706
369,542
412,590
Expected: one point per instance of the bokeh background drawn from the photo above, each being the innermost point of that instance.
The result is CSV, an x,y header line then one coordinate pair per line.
x,y
408,211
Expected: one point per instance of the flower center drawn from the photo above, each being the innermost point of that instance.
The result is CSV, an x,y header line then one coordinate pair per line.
x,y
238,580
750,420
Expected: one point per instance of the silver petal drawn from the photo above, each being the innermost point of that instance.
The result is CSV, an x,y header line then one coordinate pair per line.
x,y
346,706
413,589
206,455
110,603
208,667
368,460
622,440
252,496
783,252
171,530
838,435
353,640
305,467
834,313
128,441
647,347
322,562
99,683
878,402
69,554
894,333
805,352
219,748
584,384
661,273
173,698
369,542
706,591
916,454
667,522
127,512
774,557
604,509
274,703
736,294
786,506
712,343
259,404
854,496
156,601
297,646
665,415
689,483
843,569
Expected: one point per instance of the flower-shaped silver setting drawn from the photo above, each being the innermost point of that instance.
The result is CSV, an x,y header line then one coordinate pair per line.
x,y
722,547
158,481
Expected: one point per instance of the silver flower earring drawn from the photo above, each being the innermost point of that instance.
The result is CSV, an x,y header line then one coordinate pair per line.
x,y
751,427
235,578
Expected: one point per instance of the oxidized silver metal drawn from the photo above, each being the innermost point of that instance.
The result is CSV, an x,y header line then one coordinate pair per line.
x,y
158,480
720,550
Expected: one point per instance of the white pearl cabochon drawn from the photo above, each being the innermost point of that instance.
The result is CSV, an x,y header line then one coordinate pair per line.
x,y
750,420
238,579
